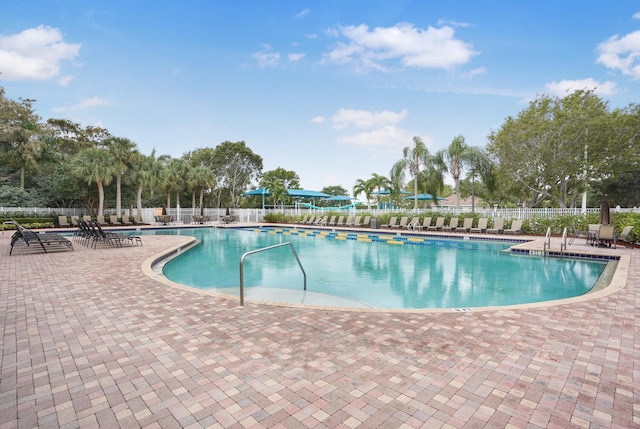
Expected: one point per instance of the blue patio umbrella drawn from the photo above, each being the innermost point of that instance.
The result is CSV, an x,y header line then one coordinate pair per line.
x,y
339,198
424,197
260,191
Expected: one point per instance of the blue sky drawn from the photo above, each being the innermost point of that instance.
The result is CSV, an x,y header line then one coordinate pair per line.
x,y
332,90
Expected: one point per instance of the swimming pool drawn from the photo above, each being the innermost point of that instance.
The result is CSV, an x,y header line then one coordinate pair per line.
x,y
411,272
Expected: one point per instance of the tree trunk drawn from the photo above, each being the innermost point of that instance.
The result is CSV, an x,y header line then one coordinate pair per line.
x,y
119,194
139,200
100,198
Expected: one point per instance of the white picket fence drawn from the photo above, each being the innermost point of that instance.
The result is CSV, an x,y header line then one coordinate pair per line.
x,y
185,215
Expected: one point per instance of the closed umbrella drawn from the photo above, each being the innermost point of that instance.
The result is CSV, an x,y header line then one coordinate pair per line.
x,y
605,211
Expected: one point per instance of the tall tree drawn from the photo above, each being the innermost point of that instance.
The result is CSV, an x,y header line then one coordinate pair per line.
x,y
554,147
95,165
200,177
122,151
365,187
460,155
413,158
381,183
236,168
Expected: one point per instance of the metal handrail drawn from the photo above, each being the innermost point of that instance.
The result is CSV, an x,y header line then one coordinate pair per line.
x,y
262,250
547,241
563,244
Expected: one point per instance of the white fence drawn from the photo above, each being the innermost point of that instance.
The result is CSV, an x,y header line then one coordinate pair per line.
x,y
185,215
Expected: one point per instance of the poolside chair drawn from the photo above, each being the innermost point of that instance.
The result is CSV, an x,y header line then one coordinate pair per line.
x,y
467,224
137,220
309,221
340,221
606,235
75,220
498,226
116,238
63,221
624,236
438,226
592,233
113,220
366,222
414,222
392,223
426,223
28,237
86,218
303,220
349,221
321,221
355,222
332,221
516,227
100,219
482,225
403,222
453,225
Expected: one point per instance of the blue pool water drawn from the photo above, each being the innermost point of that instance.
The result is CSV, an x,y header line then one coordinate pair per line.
x,y
422,274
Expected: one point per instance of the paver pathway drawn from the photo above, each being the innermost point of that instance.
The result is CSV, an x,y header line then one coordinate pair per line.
x,y
89,341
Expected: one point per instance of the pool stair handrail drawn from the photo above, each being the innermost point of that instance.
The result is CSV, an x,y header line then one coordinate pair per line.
x,y
547,241
563,243
262,250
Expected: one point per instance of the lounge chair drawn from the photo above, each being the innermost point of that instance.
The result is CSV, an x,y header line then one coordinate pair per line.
x,y
482,225
414,222
438,226
304,219
332,221
309,221
113,220
403,222
75,220
624,236
126,220
426,223
63,221
137,220
355,222
366,222
28,237
516,227
498,226
453,225
606,235
117,238
340,221
100,219
86,218
348,222
393,222
321,221
467,224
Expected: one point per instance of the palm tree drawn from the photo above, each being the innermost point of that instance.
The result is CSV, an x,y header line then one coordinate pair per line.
x,y
412,160
95,165
121,150
460,155
200,177
144,173
380,182
366,187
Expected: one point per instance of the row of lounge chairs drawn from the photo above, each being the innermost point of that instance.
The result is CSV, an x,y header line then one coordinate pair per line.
x,y
112,220
45,241
91,233
454,225
340,221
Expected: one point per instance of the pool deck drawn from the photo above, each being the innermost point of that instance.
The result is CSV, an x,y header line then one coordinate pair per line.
x,y
90,339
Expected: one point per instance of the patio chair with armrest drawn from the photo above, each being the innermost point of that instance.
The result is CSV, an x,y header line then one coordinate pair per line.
x,y
606,235
516,227
426,223
453,225
438,226
467,224
624,236
482,225
498,226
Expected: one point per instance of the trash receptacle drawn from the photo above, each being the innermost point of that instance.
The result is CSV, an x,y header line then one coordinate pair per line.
x,y
375,223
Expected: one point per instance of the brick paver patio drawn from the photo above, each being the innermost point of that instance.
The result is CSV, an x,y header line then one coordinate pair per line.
x,y
89,340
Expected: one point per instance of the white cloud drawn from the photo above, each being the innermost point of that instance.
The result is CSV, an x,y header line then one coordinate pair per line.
x,y
413,47
318,119
442,22
622,53
345,118
636,15
86,104
267,59
34,54
293,57
303,13
65,80
387,135
565,87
